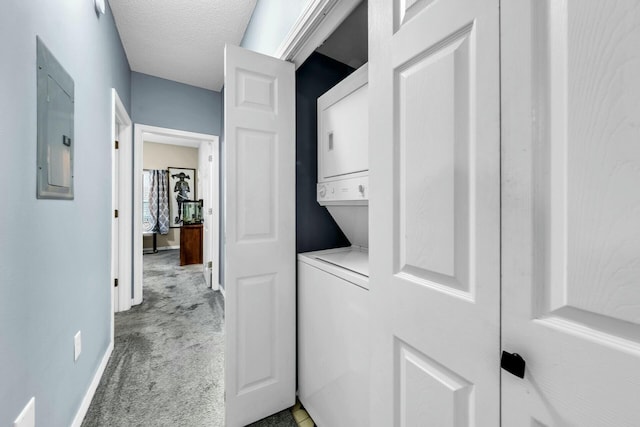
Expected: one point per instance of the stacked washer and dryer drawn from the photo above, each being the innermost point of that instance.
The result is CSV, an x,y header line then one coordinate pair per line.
x,y
333,296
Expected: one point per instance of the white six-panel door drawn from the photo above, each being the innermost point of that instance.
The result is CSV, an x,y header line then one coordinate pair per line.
x,y
571,211
434,212
259,111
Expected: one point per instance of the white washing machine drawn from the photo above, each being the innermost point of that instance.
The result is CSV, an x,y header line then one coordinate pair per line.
x,y
333,346
333,285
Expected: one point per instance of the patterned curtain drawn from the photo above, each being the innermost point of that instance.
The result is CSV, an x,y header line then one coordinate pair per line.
x,y
163,202
159,201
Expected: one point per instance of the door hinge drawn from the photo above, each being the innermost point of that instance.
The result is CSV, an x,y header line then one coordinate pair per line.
x,y
210,264
210,158
115,213
116,144
115,283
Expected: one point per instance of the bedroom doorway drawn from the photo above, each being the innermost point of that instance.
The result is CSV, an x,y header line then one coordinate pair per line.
x,y
205,182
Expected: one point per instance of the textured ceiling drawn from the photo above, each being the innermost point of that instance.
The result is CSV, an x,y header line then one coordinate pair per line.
x,y
181,40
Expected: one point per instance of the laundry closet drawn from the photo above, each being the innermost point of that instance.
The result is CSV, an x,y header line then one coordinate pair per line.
x,y
333,284
504,234
500,281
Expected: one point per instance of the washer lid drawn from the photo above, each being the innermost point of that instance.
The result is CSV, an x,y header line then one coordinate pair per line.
x,y
354,259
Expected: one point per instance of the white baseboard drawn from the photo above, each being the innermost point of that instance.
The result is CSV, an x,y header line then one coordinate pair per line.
x,y
84,407
161,248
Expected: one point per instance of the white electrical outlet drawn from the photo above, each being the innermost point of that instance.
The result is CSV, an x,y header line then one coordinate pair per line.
x,y
27,417
77,345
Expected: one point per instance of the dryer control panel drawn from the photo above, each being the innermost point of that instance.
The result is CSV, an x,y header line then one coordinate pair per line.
x,y
345,190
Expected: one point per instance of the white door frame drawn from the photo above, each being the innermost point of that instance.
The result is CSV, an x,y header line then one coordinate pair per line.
x,y
173,137
208,160
121,132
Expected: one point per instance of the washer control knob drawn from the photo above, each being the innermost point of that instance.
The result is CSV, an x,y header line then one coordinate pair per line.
x,y
361,189
322,191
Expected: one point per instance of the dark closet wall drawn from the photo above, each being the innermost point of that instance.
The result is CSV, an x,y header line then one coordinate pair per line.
x,y
315,228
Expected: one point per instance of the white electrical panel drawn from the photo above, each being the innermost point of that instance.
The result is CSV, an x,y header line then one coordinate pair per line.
x,y
55,127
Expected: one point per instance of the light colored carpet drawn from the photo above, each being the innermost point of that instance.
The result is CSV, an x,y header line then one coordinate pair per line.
x,y
167,366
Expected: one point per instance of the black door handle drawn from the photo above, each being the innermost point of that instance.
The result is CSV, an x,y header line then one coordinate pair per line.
x,y
513,363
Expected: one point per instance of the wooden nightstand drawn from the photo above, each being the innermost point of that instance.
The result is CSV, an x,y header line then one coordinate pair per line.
x,y
191,244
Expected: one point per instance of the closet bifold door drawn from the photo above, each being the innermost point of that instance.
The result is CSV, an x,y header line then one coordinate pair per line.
x,y
259,236
434,212
571,211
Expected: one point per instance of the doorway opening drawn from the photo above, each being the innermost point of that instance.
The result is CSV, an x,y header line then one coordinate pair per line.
x,y
193,159
121,155
174,341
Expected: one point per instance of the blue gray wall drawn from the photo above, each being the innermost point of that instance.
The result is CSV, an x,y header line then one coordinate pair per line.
x,y
169,104
54,254
270,23
315,228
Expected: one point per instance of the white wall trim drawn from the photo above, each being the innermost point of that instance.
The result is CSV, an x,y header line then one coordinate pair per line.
x,y
311,16
184,138
86,401
215,218
162,248
314,25
120,300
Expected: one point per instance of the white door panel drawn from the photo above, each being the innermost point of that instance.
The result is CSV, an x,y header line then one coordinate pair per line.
x,y
571,236
260,236
115,227
121,201
205,181
434,205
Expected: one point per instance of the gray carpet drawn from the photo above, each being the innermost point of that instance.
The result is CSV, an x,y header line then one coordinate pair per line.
x,y
167,365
